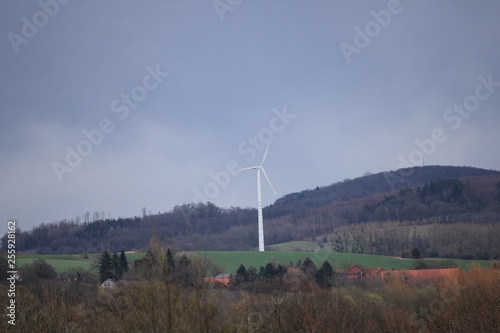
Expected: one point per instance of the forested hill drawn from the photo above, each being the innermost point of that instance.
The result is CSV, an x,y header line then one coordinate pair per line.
x,y
370,184
423,195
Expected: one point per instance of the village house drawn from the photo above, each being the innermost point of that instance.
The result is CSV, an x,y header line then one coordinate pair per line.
x,y
109,284
355,272
221,278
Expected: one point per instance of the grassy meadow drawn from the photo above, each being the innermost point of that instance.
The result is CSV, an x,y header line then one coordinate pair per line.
x,y
230,260
64,262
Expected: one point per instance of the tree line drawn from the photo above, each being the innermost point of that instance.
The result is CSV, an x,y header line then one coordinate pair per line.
x,y
458,240
204,226
252,279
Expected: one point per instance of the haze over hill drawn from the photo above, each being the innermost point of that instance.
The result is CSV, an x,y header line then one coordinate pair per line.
x,y
408,197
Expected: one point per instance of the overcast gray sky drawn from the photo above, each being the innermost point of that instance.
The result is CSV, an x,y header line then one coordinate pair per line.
x,y
117,105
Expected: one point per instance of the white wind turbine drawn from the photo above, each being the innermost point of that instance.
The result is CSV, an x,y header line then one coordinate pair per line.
x,y
260,168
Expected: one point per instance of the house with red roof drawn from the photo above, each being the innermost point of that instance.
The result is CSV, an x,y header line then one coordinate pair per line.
x,y
221,278
355,272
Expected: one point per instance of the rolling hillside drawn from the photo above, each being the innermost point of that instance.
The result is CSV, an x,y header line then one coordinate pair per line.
x,y
368,185
416,196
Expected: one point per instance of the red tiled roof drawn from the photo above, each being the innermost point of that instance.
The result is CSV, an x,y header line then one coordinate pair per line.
x,y
218,279
354,269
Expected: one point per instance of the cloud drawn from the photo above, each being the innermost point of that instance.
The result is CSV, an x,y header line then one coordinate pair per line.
x,y
226,77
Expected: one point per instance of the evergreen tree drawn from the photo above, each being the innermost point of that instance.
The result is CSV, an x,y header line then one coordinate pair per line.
x,y
415,253
324,275
117,268
105,266
123,262
280,270
308,267
268,272
170,261
252,274
241,275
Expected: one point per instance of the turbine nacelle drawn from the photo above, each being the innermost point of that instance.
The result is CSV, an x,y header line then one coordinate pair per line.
x,y
260,167
250,168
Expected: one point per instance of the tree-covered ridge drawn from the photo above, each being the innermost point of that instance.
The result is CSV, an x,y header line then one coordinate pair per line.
x,y
371,184
307,215
444,198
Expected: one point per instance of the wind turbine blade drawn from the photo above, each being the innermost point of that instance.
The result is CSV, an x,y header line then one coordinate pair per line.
x,y
265,153
249,168
268,180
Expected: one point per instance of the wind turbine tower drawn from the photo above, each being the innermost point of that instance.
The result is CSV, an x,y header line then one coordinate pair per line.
x,y
260,168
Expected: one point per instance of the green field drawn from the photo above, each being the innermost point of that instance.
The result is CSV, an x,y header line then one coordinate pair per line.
x,y
64,262
231,260
60,262
295,246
